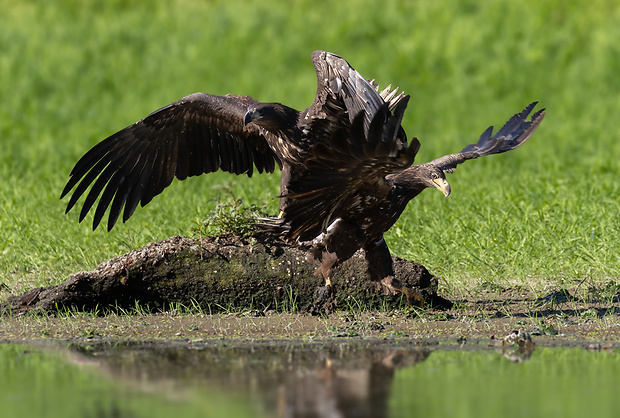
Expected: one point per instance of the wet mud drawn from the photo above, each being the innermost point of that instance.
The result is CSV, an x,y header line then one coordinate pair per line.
x,y
216,273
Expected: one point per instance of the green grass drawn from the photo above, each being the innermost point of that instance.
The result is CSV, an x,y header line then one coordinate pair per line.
x,y
554,382
44,384
74,72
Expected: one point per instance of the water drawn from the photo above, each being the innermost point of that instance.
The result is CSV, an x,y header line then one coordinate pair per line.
x,y
341,378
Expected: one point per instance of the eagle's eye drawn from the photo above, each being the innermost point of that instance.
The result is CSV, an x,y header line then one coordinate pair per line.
x,y
434,176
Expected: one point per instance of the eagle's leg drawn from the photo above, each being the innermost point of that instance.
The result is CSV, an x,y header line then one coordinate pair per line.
x,y
284,181
324,296
381,271
340,241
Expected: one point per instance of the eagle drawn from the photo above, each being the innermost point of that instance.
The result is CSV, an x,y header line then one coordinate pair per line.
x,y
346,163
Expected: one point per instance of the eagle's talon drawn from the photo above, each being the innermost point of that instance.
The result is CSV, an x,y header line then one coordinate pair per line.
x,y
392,285
413,296
324,301
322,294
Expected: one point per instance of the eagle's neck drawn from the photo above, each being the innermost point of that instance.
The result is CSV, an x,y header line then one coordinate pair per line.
x,y
410,182
282,124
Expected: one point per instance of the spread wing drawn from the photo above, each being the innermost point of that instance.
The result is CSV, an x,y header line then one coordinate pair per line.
x,y
356,139
198,134
344,92
513,134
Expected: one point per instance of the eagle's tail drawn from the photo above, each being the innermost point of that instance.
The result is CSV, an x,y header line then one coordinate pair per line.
x,y
272,226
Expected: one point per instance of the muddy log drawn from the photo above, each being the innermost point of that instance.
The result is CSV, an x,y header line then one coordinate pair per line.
x,y
218,274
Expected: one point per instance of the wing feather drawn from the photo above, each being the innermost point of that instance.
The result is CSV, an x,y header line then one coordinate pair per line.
x,y
513,134
134,197
350,165
198,134
347,89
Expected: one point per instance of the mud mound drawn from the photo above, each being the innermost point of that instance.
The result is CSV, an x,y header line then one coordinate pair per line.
x,y
219,273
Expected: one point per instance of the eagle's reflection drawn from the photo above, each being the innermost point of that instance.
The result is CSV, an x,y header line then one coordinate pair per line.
x,y
344,388
294,380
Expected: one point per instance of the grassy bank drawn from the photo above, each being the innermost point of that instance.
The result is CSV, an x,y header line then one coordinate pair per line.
x,y
74,72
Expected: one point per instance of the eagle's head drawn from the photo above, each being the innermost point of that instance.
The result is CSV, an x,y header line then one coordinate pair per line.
x,y
271,116
435,177
418,177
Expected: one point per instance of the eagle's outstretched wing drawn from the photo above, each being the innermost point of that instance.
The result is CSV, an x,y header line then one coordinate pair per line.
x,y
357,139
340,86
513,134
198,134
353,162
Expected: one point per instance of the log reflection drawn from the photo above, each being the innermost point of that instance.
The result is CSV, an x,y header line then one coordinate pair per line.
x,y
291,380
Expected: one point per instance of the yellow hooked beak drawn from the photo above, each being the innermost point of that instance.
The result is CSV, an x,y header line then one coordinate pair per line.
x,y
442,185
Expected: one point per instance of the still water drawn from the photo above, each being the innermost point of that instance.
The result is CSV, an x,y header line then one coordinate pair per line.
x,y
329,379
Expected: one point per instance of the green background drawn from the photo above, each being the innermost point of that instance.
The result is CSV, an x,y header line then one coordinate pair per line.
x,y
74,72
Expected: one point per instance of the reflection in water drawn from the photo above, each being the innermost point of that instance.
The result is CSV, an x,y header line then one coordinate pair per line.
x,y
301,380
517,346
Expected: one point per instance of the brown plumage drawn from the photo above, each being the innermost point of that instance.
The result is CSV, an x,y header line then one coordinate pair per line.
x,y
346,199
347,171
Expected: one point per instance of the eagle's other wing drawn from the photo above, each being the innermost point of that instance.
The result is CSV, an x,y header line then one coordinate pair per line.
x,y
357,139
198,134
344,92
513,134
